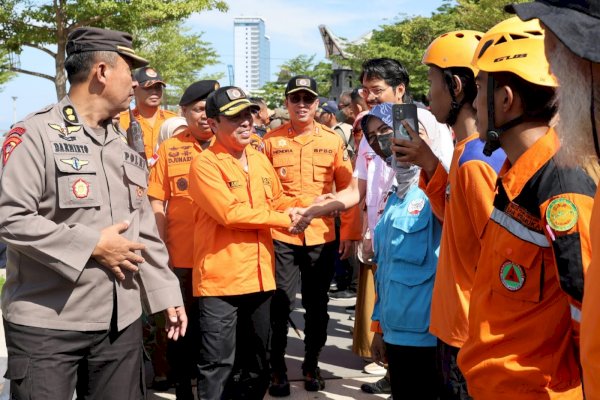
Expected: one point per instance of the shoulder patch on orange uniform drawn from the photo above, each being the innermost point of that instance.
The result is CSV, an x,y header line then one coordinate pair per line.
x,y
562,214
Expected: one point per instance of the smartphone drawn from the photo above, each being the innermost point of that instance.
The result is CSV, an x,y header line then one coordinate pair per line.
x,y
407,112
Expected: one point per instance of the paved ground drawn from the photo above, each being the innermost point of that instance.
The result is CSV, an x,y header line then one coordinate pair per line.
x,y
339,366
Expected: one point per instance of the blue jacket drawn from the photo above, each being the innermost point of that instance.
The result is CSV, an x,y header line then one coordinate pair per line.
x,y
406,241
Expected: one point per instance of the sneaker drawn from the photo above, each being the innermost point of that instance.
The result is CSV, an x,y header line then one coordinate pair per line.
x,y
382,386
280,386
374,369
343,294
313,381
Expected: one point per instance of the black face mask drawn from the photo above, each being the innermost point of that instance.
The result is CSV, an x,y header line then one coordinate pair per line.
x,y
382,145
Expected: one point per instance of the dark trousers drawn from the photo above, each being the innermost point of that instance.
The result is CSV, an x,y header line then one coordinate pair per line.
x,y
234,335
312,267
182,353
452,382
346,271
51,364
413,373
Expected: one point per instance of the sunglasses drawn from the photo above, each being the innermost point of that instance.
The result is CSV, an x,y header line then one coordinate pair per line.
x,y
296,98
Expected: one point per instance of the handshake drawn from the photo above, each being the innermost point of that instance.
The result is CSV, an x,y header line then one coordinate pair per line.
x,y
301,217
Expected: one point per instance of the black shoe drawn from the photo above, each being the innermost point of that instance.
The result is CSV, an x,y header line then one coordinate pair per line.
x,y
313,381
160,385
382,386
184,391
343,294
280,386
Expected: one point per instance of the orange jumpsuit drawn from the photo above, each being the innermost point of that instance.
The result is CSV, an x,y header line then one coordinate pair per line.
x,y
463,199
169,182
309,165
150,133
234,211
522,341
590,316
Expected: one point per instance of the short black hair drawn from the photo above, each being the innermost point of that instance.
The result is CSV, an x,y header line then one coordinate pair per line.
x,y
78,65
390,70
538,101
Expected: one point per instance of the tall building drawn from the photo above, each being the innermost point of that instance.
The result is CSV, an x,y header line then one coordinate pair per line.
x,y
251,53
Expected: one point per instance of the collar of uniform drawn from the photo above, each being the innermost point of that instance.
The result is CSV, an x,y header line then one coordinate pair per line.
x,y
222,153
517,175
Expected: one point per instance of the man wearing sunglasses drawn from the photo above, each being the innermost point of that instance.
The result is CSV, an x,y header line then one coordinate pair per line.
x,y
147,111
309,159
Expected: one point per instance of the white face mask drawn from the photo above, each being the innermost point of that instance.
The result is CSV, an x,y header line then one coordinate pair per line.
x,y
407,176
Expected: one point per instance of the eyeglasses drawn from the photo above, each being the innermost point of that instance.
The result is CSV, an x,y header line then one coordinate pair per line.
x,y
296,98
365,92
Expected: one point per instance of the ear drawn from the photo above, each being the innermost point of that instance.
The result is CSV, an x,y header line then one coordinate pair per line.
x,y
400,90
100,72
457,86
508,98
212,124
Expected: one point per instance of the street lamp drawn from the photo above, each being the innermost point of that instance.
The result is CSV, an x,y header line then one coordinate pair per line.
x,y
14,109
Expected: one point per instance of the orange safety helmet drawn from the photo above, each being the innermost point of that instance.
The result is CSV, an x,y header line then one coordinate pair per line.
x,y
453,49
515,46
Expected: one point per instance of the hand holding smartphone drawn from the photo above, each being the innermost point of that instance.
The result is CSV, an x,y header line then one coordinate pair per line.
x,y
407,112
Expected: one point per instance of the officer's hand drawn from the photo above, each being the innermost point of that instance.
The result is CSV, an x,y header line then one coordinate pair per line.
x,y
301,218
415,151
176,322
346,248
117,253
378,349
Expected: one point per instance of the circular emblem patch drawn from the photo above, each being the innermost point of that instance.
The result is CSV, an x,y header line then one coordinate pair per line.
x,y
282,171
512,276
182,184
151,73
562,214
81,189
139,191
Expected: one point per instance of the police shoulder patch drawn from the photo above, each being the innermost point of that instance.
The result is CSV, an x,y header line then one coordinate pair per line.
x,y
562,214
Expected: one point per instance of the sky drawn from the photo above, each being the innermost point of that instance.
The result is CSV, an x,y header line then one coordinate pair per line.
x,y
292,26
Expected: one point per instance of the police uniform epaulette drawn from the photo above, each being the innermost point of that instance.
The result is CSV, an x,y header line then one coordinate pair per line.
x,y
327,129
41,111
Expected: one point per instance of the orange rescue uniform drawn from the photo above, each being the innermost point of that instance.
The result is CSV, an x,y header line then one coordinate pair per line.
x,y
522,342
463,199
590,313
309,165
149,132
234,211
169,182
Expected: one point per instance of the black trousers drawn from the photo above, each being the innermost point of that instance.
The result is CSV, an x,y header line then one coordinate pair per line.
x,y
51,364
452,382
312,267
234,335
182,353
413,372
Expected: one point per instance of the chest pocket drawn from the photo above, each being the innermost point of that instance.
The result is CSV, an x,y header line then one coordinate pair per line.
x,y
518,270
323,168
137,182
284,165
179,179
77,182
414,236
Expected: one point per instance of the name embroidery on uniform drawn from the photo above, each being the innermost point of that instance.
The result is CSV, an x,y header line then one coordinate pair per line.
x,y
282,151
70,148
562,214
176,160
65,131
75,162
233,184
323,151
524,217
81,188
512,276
135,159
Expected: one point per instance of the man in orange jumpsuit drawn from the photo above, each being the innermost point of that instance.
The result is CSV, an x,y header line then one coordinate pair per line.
x,y
168,186
147,111
572,30
309,159
235,192
522,340
462,197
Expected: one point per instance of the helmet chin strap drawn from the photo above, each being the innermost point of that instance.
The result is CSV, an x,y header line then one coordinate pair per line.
x,y
593,111
492,142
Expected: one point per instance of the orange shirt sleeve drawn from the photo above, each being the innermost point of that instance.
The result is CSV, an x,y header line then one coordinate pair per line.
x,y
435,189
210,192
158,184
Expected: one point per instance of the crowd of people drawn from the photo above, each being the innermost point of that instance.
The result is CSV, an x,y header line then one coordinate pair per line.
x,y
470,239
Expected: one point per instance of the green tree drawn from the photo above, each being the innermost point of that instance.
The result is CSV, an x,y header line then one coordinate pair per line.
x,y
45,25
273,92
408,39
177,54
